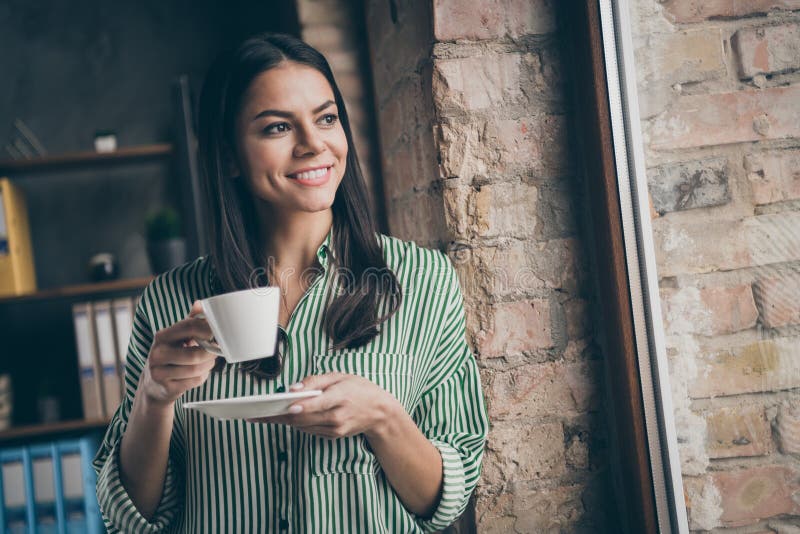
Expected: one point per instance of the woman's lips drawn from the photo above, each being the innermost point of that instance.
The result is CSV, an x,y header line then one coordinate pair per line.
x,y
316,180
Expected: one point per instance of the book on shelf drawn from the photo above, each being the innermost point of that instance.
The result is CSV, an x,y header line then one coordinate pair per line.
x,y
17,271
49,487
89,371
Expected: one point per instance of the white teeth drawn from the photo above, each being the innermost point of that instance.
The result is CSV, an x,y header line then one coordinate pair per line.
x,y
311,174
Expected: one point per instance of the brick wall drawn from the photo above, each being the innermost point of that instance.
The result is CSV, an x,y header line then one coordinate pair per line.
x,y
472,118
719,86
336,28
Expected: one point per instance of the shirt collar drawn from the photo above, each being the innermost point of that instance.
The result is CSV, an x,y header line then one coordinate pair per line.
x,y
325,250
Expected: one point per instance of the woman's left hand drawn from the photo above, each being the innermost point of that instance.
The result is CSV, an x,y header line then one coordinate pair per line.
x,y
348,405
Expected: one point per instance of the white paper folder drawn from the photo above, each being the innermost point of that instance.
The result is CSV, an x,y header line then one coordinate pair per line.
x,y
107,351
88,363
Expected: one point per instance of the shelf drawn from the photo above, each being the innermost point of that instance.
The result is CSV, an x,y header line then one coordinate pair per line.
x,y
92,289
74,160
33,431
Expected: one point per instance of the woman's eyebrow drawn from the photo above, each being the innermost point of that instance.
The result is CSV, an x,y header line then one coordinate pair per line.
x,y
289,114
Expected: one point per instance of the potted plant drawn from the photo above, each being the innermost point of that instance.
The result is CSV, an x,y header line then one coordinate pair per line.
x,y
166,245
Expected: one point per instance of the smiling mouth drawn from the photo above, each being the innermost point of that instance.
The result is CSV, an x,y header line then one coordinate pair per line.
x,y
310,176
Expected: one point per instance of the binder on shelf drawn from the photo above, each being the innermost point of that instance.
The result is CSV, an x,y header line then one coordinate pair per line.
x,y
107,352
123,309
17,271
88,362
49,487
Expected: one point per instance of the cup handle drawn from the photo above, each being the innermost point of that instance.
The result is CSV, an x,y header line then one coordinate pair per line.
x,y
207,344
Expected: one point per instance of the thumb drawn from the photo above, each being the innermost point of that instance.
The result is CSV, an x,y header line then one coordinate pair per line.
x,y
196,308
321,382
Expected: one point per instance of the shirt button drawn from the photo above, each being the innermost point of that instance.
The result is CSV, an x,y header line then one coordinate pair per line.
x,y
280,389
282,456
284,524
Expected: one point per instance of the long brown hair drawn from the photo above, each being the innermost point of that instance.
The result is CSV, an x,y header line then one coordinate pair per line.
x,y
351,316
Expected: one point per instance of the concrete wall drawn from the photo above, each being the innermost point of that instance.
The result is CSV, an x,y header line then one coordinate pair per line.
x,y
719,86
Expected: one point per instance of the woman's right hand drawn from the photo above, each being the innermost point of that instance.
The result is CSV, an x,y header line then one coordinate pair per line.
x,y
176,362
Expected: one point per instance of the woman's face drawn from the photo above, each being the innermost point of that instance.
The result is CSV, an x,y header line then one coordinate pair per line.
x,y
291,147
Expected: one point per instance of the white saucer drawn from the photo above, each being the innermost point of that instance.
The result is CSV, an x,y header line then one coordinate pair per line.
x,y
250,407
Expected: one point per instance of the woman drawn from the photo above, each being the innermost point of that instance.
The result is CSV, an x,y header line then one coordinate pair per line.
x,y
394,443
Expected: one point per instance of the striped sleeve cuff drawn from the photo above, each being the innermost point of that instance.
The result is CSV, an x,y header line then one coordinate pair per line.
x,y
118,509
452,501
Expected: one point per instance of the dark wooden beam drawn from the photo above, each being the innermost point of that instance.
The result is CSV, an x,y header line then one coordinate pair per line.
x,y
592,120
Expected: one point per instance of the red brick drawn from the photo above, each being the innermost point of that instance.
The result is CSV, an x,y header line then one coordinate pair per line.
x,y
343,62
778,298
316,12
517,453
769,365
477,83
788,427
535,510
698,10
737,431
505,209
541,390
774,175
492,19
749,495
329,37
526,146
498,271
702,502
681,57
723,118
516,327
767,49
687,247
689,185
709,311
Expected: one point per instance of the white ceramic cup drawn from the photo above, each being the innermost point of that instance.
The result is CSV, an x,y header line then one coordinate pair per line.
x,y
244,323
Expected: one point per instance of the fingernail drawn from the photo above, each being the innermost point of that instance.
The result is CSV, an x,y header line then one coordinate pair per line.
x,y
298,385
295,408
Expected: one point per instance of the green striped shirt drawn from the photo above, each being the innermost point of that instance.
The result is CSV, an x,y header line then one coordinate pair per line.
x,y
234,476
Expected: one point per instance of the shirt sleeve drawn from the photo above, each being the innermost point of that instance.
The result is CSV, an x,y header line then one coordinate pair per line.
x,y
119,512
451,412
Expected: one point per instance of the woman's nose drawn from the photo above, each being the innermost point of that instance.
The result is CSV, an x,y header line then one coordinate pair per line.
x,y
309,142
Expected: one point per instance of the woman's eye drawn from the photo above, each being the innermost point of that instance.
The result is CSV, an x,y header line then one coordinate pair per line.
x,y
278,127
330,118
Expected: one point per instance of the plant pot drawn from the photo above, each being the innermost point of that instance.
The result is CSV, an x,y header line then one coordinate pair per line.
x,y
167,254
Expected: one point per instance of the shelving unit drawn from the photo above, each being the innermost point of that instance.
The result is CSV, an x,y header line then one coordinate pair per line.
x,y
97,289
30,432
82,160
37,328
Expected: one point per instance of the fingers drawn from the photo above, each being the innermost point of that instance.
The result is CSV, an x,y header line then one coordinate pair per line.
x,y
302,421
322,382
165,373
184,330
168,355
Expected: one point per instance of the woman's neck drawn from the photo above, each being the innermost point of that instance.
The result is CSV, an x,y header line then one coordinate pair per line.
x,y
293,242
